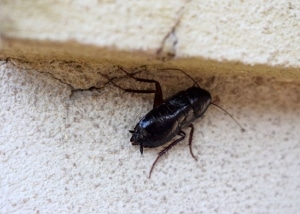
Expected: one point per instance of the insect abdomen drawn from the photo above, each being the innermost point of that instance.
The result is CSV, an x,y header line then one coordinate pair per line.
x,y
163,122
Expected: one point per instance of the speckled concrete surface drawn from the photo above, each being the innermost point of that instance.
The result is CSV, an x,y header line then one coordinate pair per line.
x,y
63,154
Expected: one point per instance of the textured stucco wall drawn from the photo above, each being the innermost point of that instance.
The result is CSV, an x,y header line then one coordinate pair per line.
x,y
65,150
63,153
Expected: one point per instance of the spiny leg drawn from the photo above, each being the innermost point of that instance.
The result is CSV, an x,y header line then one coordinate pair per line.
x,y
191,140
170,146
158,99
132,90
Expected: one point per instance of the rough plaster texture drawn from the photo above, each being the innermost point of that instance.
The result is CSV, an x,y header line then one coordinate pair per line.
x,y
71,154
64,150
252,32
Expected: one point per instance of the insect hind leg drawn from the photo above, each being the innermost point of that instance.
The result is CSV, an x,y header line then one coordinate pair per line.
x,y
191,140
158,99
166,149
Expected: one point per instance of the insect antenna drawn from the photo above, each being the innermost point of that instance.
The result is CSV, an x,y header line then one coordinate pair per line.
x,y
242,129
195,83
177,69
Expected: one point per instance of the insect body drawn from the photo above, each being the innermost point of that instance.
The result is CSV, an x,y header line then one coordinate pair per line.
x,y
168,117
166,120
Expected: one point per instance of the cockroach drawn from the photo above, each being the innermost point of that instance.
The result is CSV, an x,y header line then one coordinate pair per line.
x,y
169,116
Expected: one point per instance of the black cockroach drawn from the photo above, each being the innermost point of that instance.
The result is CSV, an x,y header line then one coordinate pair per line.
x,y
168,117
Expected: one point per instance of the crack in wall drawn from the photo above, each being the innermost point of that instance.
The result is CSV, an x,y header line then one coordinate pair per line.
x,y
52,69
38,67
74,90
167,48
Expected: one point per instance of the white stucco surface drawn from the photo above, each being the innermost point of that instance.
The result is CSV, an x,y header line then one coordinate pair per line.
x,y
62,154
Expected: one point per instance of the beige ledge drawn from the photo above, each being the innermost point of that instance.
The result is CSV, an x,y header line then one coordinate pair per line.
x,y
215,38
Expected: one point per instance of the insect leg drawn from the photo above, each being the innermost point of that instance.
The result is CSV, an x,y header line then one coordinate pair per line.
x,y
158,99
162,152
191,140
